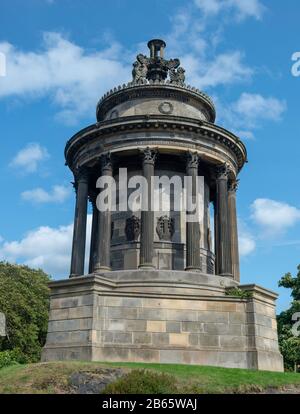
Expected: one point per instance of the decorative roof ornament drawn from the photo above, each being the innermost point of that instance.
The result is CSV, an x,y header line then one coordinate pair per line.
x,y
155,67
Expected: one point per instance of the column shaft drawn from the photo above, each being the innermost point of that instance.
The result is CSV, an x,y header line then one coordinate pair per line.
x,y
147,217
104,224
234,243
79,232
216,241
94,232
193,261
223,251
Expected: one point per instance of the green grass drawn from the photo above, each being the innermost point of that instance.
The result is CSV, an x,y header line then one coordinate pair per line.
x,y
214,379
53,377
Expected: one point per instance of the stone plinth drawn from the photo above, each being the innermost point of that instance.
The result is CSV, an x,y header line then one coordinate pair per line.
x,y
162,317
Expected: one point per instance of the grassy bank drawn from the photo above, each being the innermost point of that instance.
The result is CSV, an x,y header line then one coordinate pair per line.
x,y
54,377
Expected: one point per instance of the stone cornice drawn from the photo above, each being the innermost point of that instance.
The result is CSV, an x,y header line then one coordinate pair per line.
x,y
163,89
156,123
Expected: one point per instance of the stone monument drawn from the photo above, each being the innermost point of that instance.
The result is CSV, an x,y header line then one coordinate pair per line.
x,y
159,288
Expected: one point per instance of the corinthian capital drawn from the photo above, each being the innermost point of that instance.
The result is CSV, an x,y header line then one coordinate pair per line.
x,y
233,185
149,154
192,160
81,174
106,161
222,171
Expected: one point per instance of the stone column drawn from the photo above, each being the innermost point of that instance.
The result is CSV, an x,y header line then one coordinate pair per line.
x,y
216,241
94,232
147,217
234,243
223,249
79,232
193,262
104,224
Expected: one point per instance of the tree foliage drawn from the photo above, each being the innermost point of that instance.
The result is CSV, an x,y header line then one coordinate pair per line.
x,y
288,342
24,299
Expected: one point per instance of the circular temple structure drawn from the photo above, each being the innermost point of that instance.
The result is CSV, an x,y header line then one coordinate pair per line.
x,y
157,284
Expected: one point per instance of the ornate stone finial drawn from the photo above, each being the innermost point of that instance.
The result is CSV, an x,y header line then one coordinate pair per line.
x,y
165,228
233,185
155,67
149,154
132,228
140,68
223,171
192,159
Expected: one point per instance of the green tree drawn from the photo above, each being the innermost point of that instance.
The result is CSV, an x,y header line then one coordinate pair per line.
x,y
24,299
288,342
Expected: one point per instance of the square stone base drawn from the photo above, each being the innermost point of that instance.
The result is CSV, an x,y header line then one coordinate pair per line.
x,y
162,317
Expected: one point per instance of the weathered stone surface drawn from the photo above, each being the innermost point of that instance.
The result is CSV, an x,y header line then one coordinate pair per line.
x,y
213,317
156,326
142,338
160,339
94,382
192,327
209,330
179,339
209,340
172,326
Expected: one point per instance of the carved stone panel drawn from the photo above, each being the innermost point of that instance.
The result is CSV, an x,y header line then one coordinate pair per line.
x,y
132,228
165,228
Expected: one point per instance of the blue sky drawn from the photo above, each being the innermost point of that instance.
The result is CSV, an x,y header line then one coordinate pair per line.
x,y
62,55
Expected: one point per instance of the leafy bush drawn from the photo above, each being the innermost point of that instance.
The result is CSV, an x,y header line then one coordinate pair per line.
x,y
143,382
239,293
24,299
288,343
11,357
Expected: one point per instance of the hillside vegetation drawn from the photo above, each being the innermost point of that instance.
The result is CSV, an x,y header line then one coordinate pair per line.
x,y
95,377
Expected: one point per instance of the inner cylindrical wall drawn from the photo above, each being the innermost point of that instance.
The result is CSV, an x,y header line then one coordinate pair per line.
x,y
169,229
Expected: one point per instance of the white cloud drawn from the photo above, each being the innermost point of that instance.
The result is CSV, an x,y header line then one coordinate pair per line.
x,y
274,216
58,194
240,9
46,247
209,7
28,158
226,68
75,79
249,112
245,134
247,242
254,107
247,8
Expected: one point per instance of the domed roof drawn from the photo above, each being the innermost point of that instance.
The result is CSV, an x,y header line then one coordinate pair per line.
x,y
157,88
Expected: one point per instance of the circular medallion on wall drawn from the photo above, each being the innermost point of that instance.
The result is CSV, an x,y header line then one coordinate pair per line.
x,y
165,108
